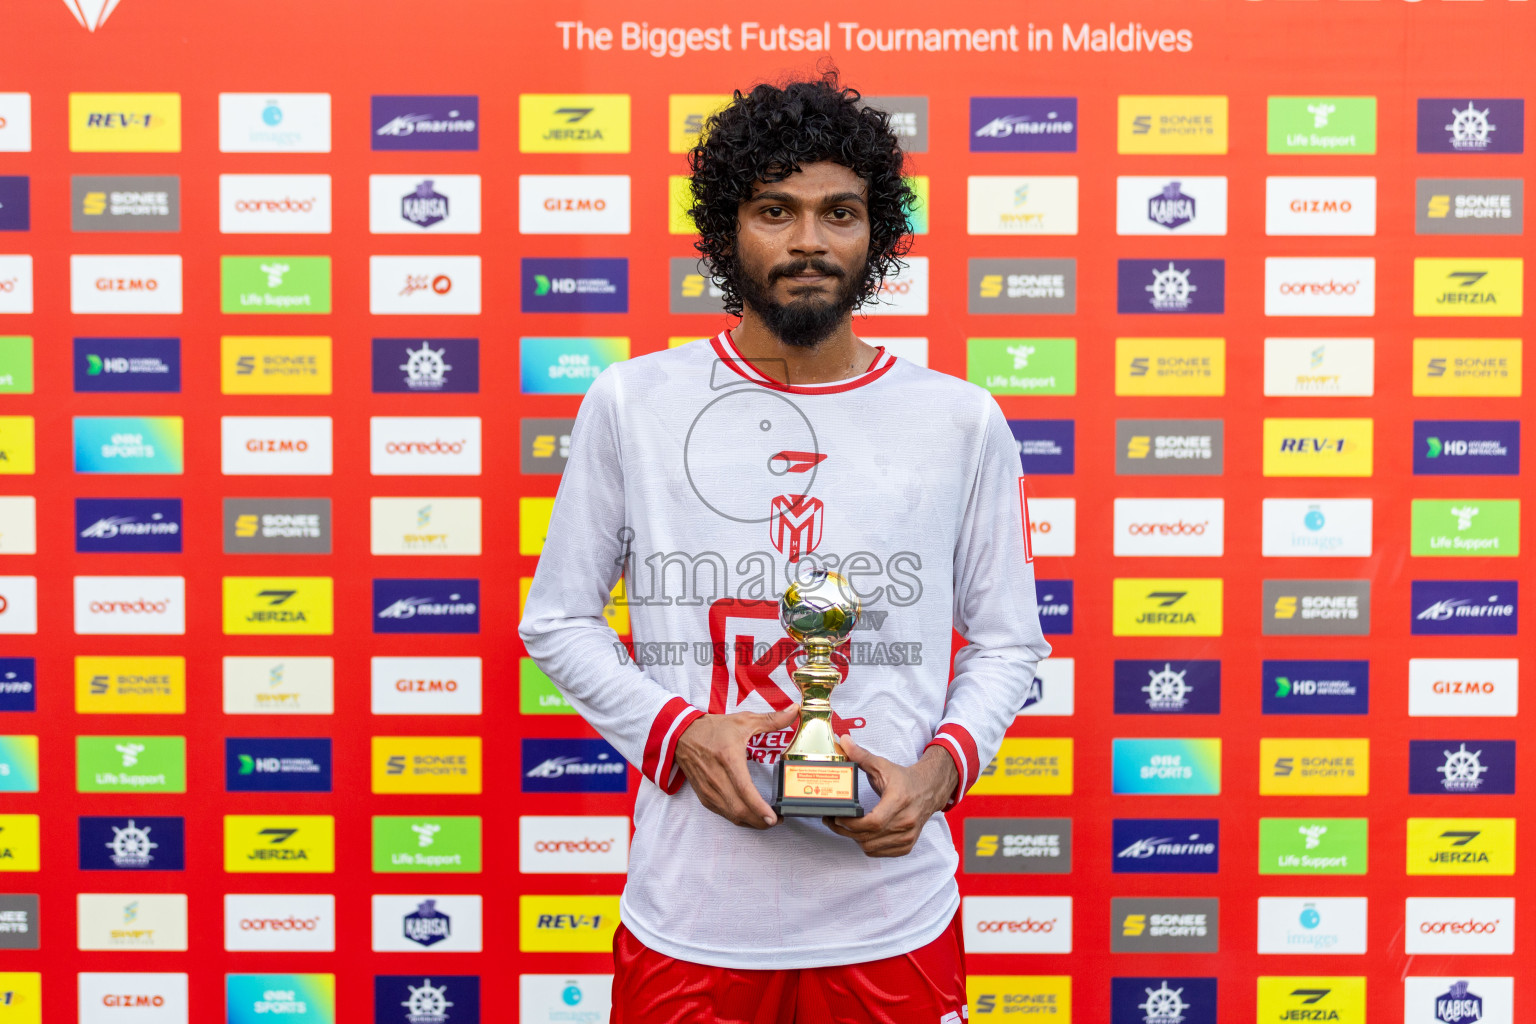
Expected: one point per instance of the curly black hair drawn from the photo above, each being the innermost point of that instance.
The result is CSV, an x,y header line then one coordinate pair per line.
x,y
768,134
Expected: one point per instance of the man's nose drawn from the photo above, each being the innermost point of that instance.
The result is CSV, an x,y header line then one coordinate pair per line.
x,y
808,237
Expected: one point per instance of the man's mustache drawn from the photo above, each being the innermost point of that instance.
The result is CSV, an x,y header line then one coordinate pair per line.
x,y
800,266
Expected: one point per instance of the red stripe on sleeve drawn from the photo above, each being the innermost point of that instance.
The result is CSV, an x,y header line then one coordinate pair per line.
x,y
656,740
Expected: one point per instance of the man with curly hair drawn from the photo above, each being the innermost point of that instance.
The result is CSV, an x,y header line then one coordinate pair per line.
x,y
711,475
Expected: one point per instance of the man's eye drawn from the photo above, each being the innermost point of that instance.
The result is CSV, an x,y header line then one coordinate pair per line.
x,y
774,211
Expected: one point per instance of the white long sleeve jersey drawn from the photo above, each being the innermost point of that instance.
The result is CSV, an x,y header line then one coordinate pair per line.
x,y
708,485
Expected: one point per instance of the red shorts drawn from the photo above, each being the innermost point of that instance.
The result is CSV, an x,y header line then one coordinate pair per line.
x,y
925,986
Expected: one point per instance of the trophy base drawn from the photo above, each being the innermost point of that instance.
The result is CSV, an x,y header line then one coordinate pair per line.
x,y
817,789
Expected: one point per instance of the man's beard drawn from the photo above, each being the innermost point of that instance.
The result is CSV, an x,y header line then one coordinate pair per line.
x,y
807,320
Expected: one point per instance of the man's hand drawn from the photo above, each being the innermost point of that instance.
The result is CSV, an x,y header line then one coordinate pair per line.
x,y
713,755
908,798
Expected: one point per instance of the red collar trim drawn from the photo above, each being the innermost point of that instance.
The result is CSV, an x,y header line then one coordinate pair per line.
x,y
725,348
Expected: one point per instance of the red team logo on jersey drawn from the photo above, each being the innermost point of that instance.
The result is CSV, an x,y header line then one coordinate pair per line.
x,y
794,524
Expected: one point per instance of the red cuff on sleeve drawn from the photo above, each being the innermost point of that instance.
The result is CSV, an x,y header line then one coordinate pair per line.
x,y
958,743
675,716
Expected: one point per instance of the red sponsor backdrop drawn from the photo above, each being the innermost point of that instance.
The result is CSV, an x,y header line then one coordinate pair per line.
x,y
1395,51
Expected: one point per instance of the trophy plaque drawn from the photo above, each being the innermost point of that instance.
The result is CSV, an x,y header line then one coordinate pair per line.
x,y
814,779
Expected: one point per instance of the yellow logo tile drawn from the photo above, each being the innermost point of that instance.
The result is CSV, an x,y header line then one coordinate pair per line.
x,y
1318,447
1172,124
20,845
274,366
130,686
1336,1000
686,114
573,123
1171,366
567,924
533,516
1167,607
1466,367
18,445
1314,767
263,843
124,122
1468,287
1035,997
278,605
426,764
1461,846
1033,765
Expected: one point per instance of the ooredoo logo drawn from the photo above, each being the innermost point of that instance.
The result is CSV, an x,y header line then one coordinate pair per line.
x,y
295,204
1168,527
1459,925
425,445
558,844
130,605
1342,286
1017,924
269,921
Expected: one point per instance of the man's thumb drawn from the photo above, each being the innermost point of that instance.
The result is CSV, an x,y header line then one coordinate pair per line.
x,y
772,721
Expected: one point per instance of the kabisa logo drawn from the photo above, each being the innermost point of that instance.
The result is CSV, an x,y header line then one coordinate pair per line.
x,y
1164,925
575,285
285,765
1171,286
426,366
426,925
1471,126
1046,447
1054,601
1023,124
1161,206
111,525
1316,687
127,364
1459,1003
426,123
18,683
1041,846
414,999
1167,687
426,606
424,206
1163,846
1466,447
1162,1000
1465,607
136,843
1461,767
572,766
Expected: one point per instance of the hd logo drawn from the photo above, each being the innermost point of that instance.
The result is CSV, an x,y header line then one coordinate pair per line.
x,y
1468,287
278,605
1167,607
1301,1000
1461,846
292,843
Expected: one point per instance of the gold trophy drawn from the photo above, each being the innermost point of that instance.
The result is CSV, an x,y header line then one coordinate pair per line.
x,y
814,779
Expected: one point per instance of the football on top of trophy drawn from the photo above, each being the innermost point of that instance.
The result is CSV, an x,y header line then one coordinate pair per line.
x,y
819,604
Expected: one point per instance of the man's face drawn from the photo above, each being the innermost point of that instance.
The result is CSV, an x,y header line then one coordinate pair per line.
x,y
802,245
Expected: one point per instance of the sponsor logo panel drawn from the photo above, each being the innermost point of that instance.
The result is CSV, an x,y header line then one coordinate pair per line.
x,y
1313,846
1462,925
278,923
1481,286
1171,366
1316,687
1461,846
291,122
564,845
144,685
548,998
1314,767
1140,925
124,122
426,366
1035,765
279,605
426,606
127,444
1171,206
426,686
271,204
18,604
1322,124
16,284
1320,206
1035,846
573,204
1466,447
424,445
281,765
1319,366
1171,286
301,998
424,285
1164,846
272,526
1046,447
1189,767
116,284
1052,691
20,847
424,123
15,122
1469,206
413,999
572,766
134,605
1466,367
18,684
274,366
1053,527
129,764
122,922
426,764
1017,924
537,693
1459,1000
413,204
127,364
1046,995
18,912
1466,527
573,123
567,924
1168,447
1022,366
15,359
1311,926
138,843
574,285
274,284
1337,999
1167,686
425,526
1053,598
1024,287
279,685
123,202
114,525
436,844
1321,528
1162,1000
907,117
1169,527
1317,608
137,998
1464,687
1171,124
1461,767
279,843
1319,286
1462,125
1318,447
1001,205
1023,124
1167,607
